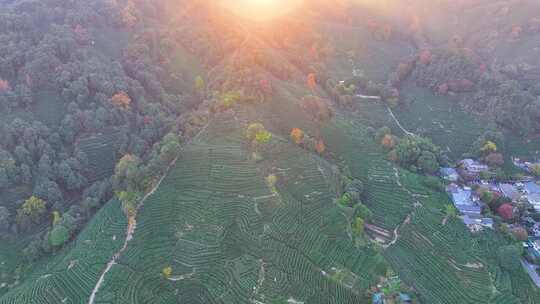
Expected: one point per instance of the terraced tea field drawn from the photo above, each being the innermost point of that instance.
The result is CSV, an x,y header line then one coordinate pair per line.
x,y
440,119
229,239
69,276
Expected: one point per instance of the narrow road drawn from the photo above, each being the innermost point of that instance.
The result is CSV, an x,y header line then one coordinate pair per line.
x,y
132,225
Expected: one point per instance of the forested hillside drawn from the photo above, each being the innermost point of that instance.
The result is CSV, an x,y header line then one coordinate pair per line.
x,y
182,152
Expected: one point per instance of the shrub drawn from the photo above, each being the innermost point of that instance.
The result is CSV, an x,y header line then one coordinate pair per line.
x,y
58,236
509,257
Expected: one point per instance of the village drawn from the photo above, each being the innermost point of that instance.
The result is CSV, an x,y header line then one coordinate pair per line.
x,y
479,198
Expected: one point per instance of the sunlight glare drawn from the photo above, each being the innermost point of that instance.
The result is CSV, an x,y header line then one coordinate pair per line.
x,y
261,10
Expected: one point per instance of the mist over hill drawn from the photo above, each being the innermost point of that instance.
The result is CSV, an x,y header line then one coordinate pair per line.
x,y
193,152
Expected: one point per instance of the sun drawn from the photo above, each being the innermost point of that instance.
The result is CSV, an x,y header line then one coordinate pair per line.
x,y
261,10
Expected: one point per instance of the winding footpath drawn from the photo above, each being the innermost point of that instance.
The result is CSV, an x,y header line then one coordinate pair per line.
x,y
132,224
398,123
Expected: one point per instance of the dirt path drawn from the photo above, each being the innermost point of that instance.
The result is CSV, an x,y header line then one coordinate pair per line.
x,y
407,220
132,225
398,123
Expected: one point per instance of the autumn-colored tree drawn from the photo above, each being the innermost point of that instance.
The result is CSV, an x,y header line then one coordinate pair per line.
x,y
81,34
520,234
128,14
199,83
4,85
297,135
489,147
253,129
32,209
271,181
56,218
265,86
320,147
257,134
426,57
121,99
506,211
516,31
465,85
443,89
388,141
387,32
311,81
166,272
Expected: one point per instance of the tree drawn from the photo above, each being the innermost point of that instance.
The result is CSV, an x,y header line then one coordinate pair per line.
x,y
363,212
311,81
535,169
257,134
166,272
487,197
31,211
129,201
128,14
450,210
57,218
359,226
427,162
297,135
263,137
520,234
509,258
199,83
494,159
121,99
4,86
489,147
5,218
320,147
253,129
388,141
506,211
127,172
381,133
169,148
59,236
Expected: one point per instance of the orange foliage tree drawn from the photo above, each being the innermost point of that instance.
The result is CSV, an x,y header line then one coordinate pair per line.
x,y
311,81
297,136
4,85
121,99
388,141
128,14
320,147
